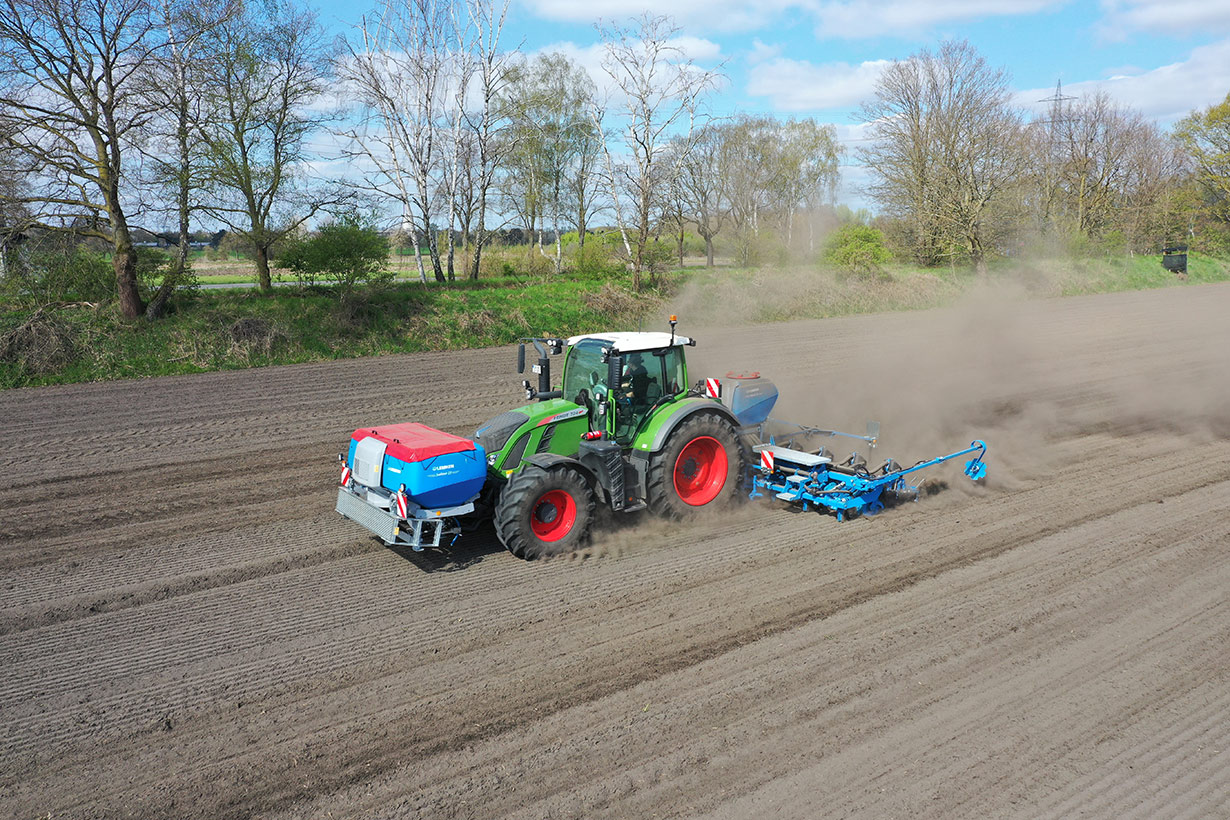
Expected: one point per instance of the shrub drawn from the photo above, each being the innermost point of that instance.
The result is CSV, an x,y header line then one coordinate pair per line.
x,y
857,249
596,259
613,302
346,253
659,257
58,273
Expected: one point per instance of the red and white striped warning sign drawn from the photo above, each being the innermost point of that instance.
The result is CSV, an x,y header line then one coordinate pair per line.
x,y
401,504
766,461
713,388
345,476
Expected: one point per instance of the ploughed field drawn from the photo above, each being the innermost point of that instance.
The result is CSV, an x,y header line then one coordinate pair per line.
x,y
188,630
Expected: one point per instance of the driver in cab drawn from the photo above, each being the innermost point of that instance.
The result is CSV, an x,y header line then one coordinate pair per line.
x,y
635,382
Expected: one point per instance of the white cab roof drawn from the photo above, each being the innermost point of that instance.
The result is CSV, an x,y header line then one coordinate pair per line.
x,y
632,342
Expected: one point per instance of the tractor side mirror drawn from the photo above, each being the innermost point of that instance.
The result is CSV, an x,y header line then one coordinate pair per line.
x,y
521,358
614,372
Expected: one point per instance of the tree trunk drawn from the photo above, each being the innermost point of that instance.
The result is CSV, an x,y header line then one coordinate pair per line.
x,y
681,246
452,277
124,258
418,260
262,269
158,305
433,250
709,250
125,263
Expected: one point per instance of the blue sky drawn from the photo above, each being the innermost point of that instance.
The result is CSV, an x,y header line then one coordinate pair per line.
x,y
820,58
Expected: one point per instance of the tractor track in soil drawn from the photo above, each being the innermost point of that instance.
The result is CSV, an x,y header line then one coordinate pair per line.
x,y
188,630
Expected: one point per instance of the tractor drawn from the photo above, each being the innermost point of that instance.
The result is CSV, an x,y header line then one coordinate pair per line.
x,y
624,429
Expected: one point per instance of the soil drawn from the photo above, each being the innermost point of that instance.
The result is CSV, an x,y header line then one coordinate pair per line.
x,y
187,629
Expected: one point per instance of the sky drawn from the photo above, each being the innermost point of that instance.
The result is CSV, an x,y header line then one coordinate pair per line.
x,y
820,58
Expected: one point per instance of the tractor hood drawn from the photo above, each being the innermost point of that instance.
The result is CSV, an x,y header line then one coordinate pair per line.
x,y
552,426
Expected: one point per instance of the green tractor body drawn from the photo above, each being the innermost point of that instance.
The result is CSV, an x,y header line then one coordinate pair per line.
x,y
601,435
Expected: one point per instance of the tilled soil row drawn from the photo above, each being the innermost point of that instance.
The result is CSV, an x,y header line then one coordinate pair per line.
x,y
228,646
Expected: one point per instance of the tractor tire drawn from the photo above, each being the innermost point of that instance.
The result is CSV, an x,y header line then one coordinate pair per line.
x,y
544,512
698,469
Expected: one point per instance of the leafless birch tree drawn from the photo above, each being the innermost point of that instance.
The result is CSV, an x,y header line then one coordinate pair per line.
x,y
658,91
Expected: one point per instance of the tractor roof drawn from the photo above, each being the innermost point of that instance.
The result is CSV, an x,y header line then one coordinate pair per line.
x,y
633,342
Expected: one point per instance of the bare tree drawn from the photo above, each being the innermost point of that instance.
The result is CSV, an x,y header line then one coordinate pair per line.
x,y
658,90
1095,140
584,182
1100,168
267,71
747,163
70,111
400,72
807,159
174,146
1149,210
492,73
946,148
702,186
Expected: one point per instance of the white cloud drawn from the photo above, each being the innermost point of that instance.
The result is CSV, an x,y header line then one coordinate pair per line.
x,y
697,48
876,18
834,18
1163,93
761,52
715,15
1164,16
799,85
590,57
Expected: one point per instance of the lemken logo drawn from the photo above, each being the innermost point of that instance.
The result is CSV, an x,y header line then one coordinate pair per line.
x,y
443,467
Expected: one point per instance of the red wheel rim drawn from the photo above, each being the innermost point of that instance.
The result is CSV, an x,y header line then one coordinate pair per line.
x,y
700,471
553,515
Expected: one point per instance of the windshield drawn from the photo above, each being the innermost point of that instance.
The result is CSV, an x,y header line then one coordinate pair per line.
x,y
585,378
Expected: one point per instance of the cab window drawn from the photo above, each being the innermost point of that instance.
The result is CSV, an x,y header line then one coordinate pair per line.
x,y
585,377
648,377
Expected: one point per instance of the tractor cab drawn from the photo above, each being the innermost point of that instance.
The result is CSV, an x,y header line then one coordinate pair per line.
x,y
621,378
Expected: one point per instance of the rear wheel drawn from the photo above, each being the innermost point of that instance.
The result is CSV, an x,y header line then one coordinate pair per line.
x,y
697,469
544,512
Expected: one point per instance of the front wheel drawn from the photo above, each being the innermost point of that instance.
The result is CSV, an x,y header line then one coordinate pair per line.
x,y
544,512
697,469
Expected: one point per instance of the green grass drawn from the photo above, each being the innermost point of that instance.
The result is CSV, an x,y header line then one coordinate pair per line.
x,y
240,328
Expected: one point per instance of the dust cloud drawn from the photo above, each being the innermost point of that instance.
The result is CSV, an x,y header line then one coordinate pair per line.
x,y
1001,365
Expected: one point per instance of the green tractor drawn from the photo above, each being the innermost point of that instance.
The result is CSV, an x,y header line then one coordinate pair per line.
x,y
623,428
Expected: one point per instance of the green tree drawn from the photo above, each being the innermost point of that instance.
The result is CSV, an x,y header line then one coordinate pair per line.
x,y
554,138
346,252
1205,136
